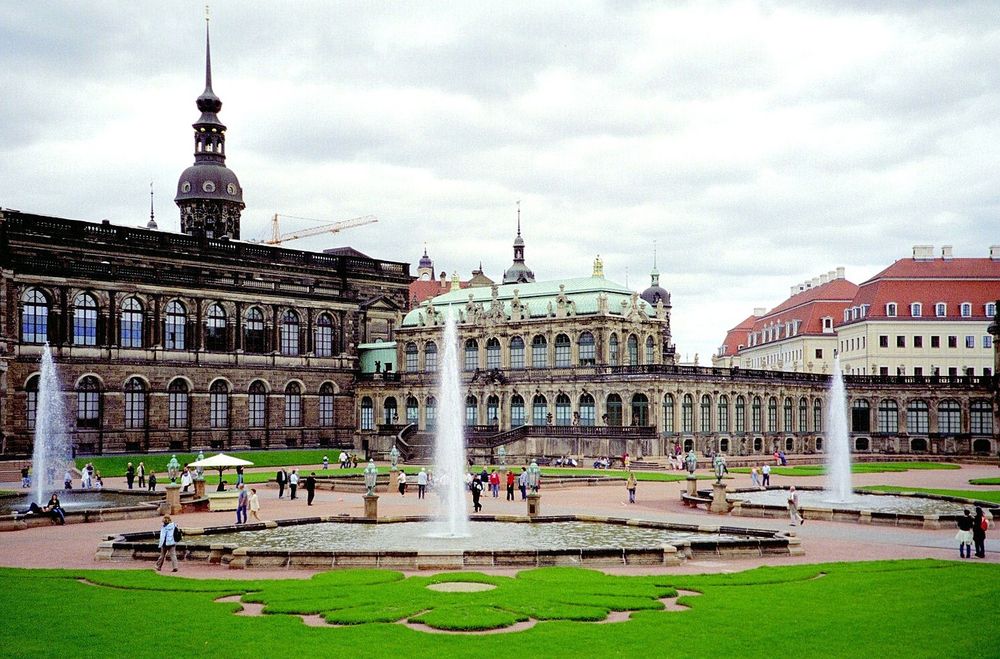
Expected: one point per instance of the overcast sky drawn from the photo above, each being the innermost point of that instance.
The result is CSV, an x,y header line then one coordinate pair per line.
x,y
758,144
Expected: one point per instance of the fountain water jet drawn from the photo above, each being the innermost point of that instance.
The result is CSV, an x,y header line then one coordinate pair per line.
x,y
449,445
838,453
51,453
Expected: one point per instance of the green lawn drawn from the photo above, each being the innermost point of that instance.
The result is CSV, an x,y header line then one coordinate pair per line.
x,y
857,468
115,465
992,496
797,611
985,481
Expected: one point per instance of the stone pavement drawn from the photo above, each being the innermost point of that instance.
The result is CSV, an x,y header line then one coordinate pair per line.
x,y
73,546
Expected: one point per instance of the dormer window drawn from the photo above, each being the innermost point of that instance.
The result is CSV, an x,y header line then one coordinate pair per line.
x,y
916,309
991,309
890,310
864,310
847,317
940,309
965,309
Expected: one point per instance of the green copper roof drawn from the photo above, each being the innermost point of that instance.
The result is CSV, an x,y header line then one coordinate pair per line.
x,y
384,352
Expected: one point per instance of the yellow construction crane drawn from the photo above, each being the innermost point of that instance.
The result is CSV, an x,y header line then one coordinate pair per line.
x,y
277,237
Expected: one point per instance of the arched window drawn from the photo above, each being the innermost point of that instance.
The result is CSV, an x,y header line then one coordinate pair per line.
x,y
471,355
412,410
135,404
539,410
980,417
174,326
723,413
917,417
289,333
88,403
326,405
949,417
390,414
613,413
254,337
471,410
756,419
257,404
131,324
633,350
516,411
85,320
772,414
367,414
613,357
431,413
324,336
218,404
706,414
31,401
563,351
293,405
861,416
431,357
587,411
588,355
493,411
411,357
517,352
34,317
539,352
650,350
741,414
888,416
803,415
687,413
178,404
493,353
668,413
564,410
786,419
215,328
817,415
640,410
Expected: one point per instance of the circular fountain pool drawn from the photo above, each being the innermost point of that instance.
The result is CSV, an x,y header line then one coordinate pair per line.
x,y
81,506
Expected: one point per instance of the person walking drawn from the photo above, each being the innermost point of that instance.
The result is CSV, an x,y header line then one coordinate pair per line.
x,y
239,475
754,478
326,463
25,477
254,504
522,483
140,473
401,483
765,473
68,480
168,545
281,478
187,479
793,508
130,475
964,535
310,488
979,527
152,482
495,484
242,504
510,485
422,483
477,491
630,485
293,483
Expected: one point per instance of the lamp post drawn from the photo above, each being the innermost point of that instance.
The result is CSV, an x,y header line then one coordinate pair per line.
x,y
371,499
534,481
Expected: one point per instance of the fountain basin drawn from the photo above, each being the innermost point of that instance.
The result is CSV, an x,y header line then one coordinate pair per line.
x,y
495,541
82,506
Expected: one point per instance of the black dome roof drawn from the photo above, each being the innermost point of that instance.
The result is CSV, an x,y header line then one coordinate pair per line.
x,y
209,181
654,294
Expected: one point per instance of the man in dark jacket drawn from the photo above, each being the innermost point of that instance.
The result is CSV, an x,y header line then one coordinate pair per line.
x,y
310,487
282,478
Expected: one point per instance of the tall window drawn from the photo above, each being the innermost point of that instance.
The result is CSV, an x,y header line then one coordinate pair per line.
x,y
34,317
861,416
950,417
390,413
817,416
587,415
135,404
293,405
741,414
324,336
493,410
368,414
755,415
516,411
613,350
706,414
517,352
687,413
257,405
539,352
326,405
539,410
215,329
431,357
412,410
218,403
493,353
563,350
668,413
173,338
289,333
564,410
471,410
411,357
888,416
471,355
803,415
787,416
31,401
588,356
88,403
917,417
131,324
650,350
430,412
178,404
980,418
723,412
633,350
254,337
640,410
772,414
85,320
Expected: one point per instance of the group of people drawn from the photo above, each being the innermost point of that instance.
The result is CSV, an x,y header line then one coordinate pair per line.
x,y
52,509
972,532
760,477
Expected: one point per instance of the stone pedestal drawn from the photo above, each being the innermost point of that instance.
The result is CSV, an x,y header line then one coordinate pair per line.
x,y
173,498
692,485
719,503
371,506
199,487
534,504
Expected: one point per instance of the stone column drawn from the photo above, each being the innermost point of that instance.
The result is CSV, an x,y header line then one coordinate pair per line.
x,y
534,504
173,498
199,487
371,506
719,504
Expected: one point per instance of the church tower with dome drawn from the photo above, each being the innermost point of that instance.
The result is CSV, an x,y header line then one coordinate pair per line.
x,y
518,272
208,193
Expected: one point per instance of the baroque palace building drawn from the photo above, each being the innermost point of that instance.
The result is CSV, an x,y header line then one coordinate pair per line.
x,y
169,341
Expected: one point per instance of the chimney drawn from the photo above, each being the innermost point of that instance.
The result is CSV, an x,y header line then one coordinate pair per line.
x,y
995,252
823,278
923,252
795,289
830,276
759,311
946,252
840,272
815,282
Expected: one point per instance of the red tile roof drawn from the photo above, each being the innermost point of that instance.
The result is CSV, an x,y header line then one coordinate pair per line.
x,y
421,290
737,337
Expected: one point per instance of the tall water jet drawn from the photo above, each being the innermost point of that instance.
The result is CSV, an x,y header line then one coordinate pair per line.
x,y
449,445
51,452
838,453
